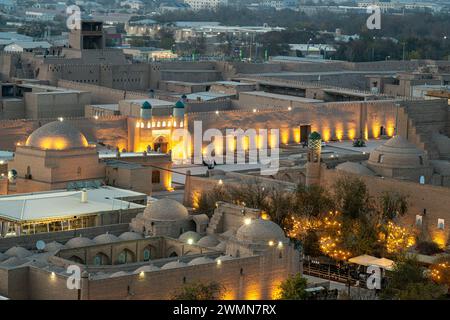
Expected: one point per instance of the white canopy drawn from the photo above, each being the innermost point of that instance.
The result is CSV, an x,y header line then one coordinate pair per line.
x,y
366,260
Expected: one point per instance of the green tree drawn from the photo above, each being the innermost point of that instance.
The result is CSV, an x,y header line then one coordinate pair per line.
x,y
293,288
408,281
392,205
312,201
200,291
352,197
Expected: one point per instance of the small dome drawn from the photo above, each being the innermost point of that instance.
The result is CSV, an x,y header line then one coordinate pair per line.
x,y
105,238
3,257
119,274
261,231
221,246
57,135
355,168
200,260
189,235
79,242
208,241
146,105
18,252
398,158
148,268
227,234
173,265
53,246
165,210
179,105
126,236
224,258
14,262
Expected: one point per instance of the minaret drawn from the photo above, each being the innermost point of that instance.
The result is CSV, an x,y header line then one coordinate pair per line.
x,y
146,111
313,165
178,114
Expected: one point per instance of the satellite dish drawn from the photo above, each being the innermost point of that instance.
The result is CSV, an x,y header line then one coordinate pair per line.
x,y
40,245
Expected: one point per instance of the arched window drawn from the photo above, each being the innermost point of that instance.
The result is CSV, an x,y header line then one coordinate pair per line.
x,y
101,259
173,254
156,176
147,254
76,259
126,256
28,176
380,158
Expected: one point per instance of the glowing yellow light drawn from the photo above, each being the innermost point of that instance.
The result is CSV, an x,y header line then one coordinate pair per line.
x,y
247,221
141,274
254,110
280,244
220,182
351,134
296,134
219,262
285,135
326,134
217,111
271,243
190,241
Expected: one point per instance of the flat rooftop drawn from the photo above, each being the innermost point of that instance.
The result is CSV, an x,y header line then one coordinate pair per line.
x,y
62,203
280,96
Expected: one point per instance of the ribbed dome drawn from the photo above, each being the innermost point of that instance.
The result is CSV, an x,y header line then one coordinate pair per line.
x,y
200,260
221,246
14,262
208,241
398,152
53,246
261,231
105,238
57,135
194,236
165,210
148,268
173,265
130,236
119,274
18,252
355,168
79,242
224,258
3,257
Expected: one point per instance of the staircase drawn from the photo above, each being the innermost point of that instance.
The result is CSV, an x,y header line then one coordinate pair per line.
x,y
216,223
426,117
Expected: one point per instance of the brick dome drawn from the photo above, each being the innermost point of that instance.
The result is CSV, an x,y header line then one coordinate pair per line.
x,y
57,135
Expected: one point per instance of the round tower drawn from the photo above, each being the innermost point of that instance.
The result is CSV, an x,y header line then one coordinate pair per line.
x,y
313,165
178,113
146,111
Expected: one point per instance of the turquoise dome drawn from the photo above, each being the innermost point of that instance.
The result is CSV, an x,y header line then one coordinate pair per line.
x,y
146,105
179,105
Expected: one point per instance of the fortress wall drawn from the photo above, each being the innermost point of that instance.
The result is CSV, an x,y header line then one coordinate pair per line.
x,y
338,120
102,95
109,130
